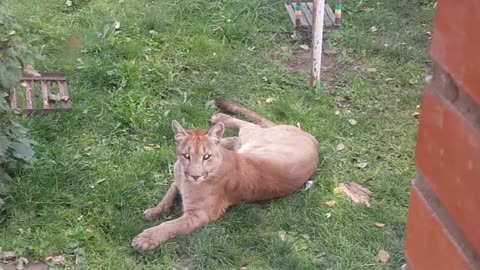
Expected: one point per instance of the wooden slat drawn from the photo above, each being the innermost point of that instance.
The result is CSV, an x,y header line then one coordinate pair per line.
x,y
45,93
47,76
29,95
13,99
307,9
307,14
290,12
303,21
63,93
329,16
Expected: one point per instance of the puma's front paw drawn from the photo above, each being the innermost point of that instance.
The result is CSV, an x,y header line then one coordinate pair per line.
x,y
152,213
145,241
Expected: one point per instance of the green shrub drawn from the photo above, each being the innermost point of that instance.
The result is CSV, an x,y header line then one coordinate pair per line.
x,y
15,146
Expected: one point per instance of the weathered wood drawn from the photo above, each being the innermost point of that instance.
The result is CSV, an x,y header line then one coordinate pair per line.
x,y
29,95
317,38
45,80
306,20
63,93
47,76
308,7
329,16
45,93
13,99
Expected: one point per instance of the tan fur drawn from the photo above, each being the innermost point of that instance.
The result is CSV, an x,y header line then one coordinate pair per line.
x,y
264,162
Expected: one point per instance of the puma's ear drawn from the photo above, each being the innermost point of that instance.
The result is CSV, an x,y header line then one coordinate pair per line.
x,y
178,131
216,132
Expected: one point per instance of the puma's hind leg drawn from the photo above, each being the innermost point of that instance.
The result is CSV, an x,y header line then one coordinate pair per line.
x,y
230,143
230,122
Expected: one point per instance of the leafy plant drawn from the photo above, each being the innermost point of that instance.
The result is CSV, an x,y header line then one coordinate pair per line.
x,y
15,146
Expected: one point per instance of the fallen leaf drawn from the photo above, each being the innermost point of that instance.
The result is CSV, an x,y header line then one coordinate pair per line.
x,y
379,225
30,71
243,268
383,256
328,215
259,102
340,147
330,203
148,58
371,70
319,258
305,47
356,193
269,100
415,114
361,165
282,235
418,107
373,29
116,25
86,149
21,262
337,190
352,122
337,112
100,181
298,125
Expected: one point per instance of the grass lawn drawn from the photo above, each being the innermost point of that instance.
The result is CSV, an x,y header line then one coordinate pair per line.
x,y
101,164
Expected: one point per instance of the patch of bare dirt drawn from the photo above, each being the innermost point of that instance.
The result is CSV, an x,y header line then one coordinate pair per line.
x,y
331,70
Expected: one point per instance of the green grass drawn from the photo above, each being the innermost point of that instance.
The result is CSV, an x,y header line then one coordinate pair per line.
x,y
169,59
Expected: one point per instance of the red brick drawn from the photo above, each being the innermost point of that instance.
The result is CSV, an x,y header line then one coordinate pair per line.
x,y
456,41
448,156
428,246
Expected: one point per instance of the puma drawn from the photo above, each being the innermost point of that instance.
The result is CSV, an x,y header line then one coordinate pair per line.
x,y
266,161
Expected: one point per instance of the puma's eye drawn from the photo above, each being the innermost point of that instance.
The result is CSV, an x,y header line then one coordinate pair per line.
x,y
186,156
206,157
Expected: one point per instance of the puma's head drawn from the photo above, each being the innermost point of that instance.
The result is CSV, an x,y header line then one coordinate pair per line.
x,y
198,151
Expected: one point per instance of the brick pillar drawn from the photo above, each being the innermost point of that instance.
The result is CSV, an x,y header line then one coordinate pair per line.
x,y
443,227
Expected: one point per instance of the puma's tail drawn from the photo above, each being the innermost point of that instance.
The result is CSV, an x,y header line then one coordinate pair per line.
x,y
250,115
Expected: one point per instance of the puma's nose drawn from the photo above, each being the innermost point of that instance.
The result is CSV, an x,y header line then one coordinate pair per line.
x,y
195,177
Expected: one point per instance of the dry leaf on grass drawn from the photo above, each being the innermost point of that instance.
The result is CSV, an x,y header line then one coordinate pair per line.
x,y
116,25
328,215
305,47
330,203
352,122
415,114
383,256
371,70
379,225
340,147
356,193
361,165
269,100
337,112
282,235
